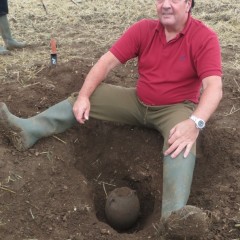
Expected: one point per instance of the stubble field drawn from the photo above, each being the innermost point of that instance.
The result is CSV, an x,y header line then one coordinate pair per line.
x,y
56,190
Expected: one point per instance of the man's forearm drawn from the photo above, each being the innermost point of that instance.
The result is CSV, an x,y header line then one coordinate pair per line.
x,y
209,101
97,74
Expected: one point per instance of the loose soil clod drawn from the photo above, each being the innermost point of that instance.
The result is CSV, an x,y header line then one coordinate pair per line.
x,y
188,222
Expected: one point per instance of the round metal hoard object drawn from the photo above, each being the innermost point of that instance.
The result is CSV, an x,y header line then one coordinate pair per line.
x,y
122,208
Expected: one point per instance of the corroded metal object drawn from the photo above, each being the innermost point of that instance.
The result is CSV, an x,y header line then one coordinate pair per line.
x,y
122,208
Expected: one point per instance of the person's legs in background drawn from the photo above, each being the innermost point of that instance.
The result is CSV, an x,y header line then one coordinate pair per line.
x,y
10,42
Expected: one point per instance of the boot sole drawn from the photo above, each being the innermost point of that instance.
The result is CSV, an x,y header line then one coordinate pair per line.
x,y
5,53
13,133
11,47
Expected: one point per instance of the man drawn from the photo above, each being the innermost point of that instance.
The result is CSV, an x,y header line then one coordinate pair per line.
x,y
5,30
177,56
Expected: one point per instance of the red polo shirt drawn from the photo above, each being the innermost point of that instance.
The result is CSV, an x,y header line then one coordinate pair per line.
x,y
170,72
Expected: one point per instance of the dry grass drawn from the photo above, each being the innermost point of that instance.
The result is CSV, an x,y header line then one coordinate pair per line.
x,y
86,30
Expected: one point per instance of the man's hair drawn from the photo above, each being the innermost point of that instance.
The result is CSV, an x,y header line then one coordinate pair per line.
x,y
193,3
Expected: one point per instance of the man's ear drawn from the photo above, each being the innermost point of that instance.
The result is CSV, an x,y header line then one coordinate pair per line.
x,y
189,5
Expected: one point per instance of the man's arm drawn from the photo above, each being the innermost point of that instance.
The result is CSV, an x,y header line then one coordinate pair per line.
x,y
211,96
96,75
183,135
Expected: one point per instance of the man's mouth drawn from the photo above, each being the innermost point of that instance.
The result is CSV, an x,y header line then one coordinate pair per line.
x,y
167,14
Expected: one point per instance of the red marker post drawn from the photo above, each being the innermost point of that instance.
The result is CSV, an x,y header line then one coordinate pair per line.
x,y
53,44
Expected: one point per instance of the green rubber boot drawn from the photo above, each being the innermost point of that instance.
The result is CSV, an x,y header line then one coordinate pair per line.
x,y
3,51
7,36
24,133
177,181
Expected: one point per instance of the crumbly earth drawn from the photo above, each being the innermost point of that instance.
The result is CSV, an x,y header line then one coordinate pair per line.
x,y
190,218
57,189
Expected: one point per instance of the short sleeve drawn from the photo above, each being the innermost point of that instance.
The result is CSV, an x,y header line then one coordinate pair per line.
x,y
127,46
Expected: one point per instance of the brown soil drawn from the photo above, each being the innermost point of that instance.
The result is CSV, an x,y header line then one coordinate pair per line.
x,y
56,190
57,187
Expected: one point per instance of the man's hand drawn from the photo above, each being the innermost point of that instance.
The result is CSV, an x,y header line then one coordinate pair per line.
x,y
97,74
182,136
81,109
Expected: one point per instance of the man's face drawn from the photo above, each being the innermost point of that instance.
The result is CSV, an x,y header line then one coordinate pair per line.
x,y
173,13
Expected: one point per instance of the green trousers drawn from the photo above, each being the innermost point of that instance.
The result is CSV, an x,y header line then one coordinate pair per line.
x,y
119,104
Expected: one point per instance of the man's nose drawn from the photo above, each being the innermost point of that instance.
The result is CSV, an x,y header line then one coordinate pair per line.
x,y
166,3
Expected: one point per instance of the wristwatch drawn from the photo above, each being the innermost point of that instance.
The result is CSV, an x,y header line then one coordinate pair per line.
x,y
200,124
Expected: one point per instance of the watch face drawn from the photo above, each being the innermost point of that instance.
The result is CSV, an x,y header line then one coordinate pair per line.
x,y
201,124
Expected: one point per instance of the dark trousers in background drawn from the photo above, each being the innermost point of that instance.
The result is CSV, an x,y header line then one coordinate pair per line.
x,y
3,7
